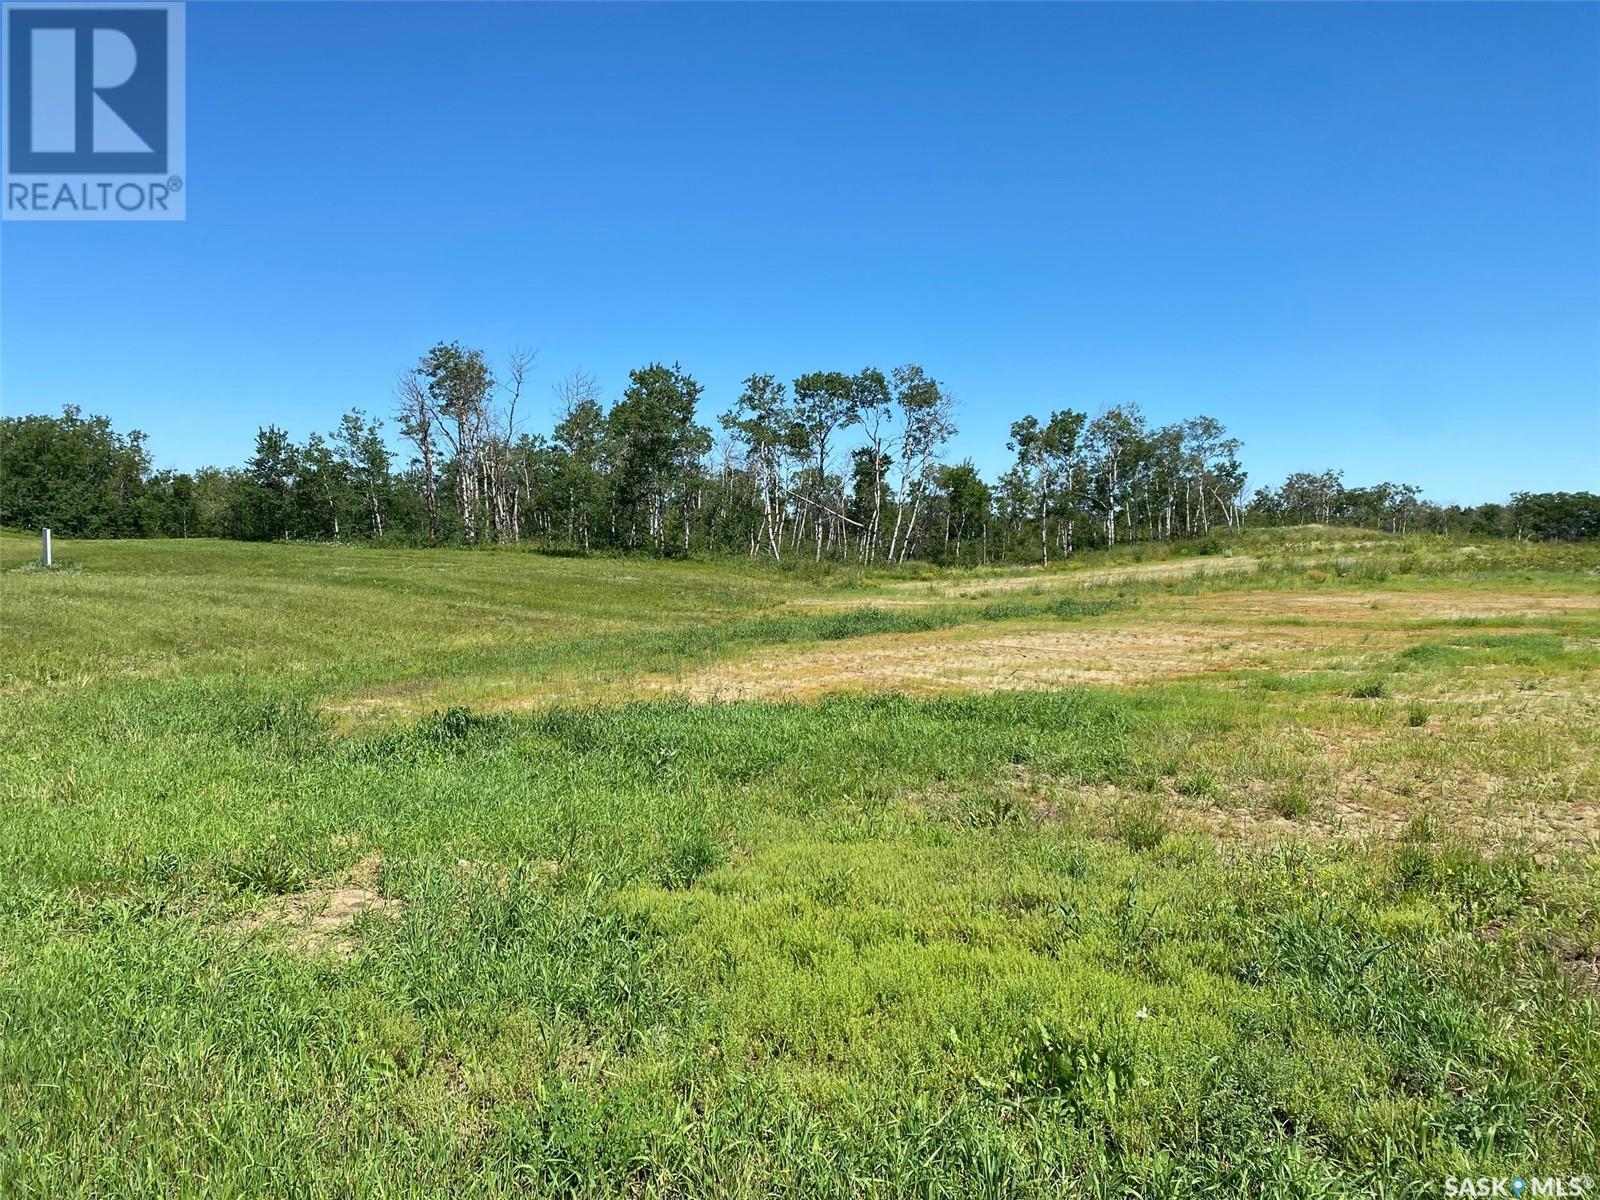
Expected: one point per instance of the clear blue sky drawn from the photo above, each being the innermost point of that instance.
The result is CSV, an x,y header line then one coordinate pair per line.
x,y
1364,236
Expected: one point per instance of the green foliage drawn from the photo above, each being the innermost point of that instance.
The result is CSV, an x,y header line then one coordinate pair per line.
x,y
845,469
73,473
691,851
1090,1067
266,869
657,445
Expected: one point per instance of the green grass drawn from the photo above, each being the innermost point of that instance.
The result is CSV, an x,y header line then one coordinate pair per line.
x,y
959,946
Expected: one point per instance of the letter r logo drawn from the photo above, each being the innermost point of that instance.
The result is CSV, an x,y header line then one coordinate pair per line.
x,y
86,90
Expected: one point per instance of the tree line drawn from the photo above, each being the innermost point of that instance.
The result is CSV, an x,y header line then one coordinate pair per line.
x,y
848,466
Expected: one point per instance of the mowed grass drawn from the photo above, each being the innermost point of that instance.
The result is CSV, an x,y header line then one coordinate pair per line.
x,y
1328,929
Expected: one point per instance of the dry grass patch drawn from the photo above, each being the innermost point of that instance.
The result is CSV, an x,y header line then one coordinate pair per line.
x,y
1204,635
1584,973
1384,607
1346,783
1373,780
1038,579
961,659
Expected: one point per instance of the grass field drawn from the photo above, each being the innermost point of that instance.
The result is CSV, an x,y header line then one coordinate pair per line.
x,y
332,871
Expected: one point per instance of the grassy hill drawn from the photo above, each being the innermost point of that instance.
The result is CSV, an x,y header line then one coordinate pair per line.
x,y
339,871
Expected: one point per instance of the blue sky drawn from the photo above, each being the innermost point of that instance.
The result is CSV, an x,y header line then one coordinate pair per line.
x,y
1364,236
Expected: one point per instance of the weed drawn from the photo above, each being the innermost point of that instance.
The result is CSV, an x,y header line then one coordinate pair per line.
x,y
269,870
689,853
1141,824
1090,1066
988,807
1292,800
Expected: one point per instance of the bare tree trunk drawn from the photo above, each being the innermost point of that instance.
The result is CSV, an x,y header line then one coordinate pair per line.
x,y
899,512
911,525
774,534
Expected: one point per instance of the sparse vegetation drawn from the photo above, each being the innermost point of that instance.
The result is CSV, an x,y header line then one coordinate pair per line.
x,y
339,871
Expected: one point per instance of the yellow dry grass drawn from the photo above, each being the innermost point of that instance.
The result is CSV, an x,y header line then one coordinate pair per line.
x,y
1037,579
1177,638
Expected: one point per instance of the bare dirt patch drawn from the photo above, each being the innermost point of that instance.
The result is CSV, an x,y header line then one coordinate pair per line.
x,y
1584,973
321,918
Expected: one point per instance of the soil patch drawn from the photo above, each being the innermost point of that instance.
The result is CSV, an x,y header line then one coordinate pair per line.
x,y
321,918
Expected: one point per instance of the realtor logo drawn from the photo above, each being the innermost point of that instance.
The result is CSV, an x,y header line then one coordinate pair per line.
x,y
93,112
